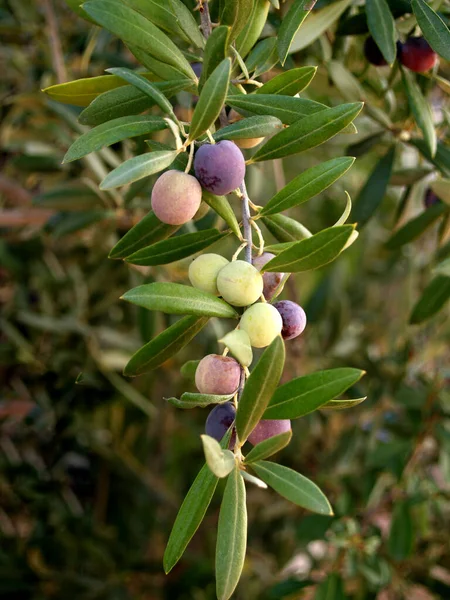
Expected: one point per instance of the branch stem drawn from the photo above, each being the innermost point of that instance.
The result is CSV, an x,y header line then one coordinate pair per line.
x,y
246,220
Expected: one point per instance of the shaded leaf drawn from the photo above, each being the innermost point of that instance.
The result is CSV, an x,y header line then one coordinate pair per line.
x,y
268,447
176,248
309,132
310,392
414,228
231,536
289,83
179,299
216,50
317,23
285,230
235,14
435,295
263,57
138,167
164,346
421,110
294,487
313,252
401,535
382,27
252,127
307,185
222,207
442,157
259,388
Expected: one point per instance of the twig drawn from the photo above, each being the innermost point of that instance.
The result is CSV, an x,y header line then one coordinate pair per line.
x,y
54,41
246,222
205,19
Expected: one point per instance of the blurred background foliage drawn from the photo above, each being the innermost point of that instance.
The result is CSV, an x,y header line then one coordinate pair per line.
x,y
94,466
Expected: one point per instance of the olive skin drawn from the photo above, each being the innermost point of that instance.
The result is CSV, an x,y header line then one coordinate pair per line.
x,y
176,197
220,168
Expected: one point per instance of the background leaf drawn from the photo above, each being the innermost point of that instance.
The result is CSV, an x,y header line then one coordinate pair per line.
x,y
421,110
290,25
382,27
435,295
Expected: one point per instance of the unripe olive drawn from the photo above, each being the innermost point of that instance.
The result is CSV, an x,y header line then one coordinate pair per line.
x,y
176,197
203,272
244,143
239,283
262,322
217,374
271,280
267,429
220,167
293,317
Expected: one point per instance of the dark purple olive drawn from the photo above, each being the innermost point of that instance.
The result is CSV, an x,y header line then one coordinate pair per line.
x,y
219,421
293,317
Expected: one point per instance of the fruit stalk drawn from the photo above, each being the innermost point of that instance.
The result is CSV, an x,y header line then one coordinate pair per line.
x,y
246,222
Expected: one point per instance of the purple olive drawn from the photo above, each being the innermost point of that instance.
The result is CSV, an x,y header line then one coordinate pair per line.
x,y
220,168
373,53
430,198
293,317
217,374
271,280
267,429
220,420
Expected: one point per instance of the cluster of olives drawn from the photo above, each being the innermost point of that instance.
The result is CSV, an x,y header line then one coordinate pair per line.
x,y
219,169
415,54
241,284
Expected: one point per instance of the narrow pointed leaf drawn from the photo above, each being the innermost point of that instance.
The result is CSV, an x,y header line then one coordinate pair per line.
x,y
421,110
145,86
290,25
433,28
313,252
191,513
179,299
308,184
231,536
133,28
317,23
347,210
164,346
342,404
268,447
414,228
290,82
252,127
161,69
194,400
221,462
253,28
434,297
216,50
148,231
238,343
138,167
382,27
211,100
374,190
441,159
309,132
263,57
222,207
235,14
112,132
285,230
259,388
294,487
306,394
176,248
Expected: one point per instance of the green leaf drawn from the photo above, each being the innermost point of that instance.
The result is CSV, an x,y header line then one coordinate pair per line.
x,y
221,462
253,28
433,28
176,248
194,400
191,513
332,588
441,187
126,100
179,299
268,447
136,30
211,100
235,13
414,228
148,231
172,16
306,394
290,25
313,252
401,535
238,343
435,295
259,388
421,110
442,157
317,23
164,345
75,5
342,404
188,371
308,184
231,536
216,50
147,88
285,229
290,82
161,69
112,132
374,190
309,132
263,57
294,487
382,27
252,127
222,207
138,167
